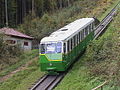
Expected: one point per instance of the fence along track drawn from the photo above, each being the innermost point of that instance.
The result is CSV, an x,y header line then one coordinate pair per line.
x,y
104,23
48,82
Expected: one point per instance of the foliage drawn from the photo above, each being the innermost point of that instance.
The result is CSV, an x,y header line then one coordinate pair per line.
x,y
105,58
99,63
8,54
18,9
50,22
80,77
25,77
21,80
22,60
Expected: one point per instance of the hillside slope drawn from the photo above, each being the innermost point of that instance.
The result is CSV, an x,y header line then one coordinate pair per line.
x,y
23,79
100,63
50,22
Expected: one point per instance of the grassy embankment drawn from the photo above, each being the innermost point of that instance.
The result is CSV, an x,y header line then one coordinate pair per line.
x,y
99,63
23,79
24,71
23,58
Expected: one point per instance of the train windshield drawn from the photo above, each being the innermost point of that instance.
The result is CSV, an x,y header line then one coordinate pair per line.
x,y
52,47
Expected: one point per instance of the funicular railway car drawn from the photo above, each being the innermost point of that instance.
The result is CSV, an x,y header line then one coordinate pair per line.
x,y
59,50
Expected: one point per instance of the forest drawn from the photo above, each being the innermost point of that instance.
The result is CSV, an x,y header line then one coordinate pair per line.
x,y
13,12
31,17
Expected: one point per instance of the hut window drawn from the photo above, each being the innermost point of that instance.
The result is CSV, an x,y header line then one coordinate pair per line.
x,y
26,43
11,41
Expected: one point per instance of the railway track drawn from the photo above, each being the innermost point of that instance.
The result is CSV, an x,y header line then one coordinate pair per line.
x,y
48,82
104,23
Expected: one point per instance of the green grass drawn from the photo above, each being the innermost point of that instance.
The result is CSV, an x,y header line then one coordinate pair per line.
x,y
27,82
50,22
24,58
109,8
23,79
80,77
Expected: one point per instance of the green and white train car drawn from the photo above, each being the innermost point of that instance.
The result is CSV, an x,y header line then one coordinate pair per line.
x,y
59,50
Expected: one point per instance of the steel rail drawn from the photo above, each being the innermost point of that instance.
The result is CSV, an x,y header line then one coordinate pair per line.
x,y
39,82
105,22
48,82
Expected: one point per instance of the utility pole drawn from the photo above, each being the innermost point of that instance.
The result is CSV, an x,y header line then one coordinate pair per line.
x,y
6,13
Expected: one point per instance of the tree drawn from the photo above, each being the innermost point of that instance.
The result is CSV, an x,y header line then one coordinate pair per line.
x,y
6,12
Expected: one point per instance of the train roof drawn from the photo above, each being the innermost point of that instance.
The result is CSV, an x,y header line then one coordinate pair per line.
x,y
69,30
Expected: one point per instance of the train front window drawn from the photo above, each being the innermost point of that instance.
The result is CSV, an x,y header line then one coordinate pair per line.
x,y
51,47
59,47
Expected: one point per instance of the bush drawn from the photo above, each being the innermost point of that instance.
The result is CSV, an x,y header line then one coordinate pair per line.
x,y
8,53
104,57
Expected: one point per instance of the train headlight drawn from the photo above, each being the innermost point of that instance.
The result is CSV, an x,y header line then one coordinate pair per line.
x,y
50,64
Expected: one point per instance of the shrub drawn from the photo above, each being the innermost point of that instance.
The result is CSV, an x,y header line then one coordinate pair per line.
x,y
8,53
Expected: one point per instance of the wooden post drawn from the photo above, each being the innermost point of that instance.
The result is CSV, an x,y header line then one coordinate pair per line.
x,y
100,86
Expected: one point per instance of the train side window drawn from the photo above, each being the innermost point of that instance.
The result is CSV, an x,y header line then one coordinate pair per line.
x,y
68,46
79,37
74,41
86,31
64,49
82,34
71,44
90,28
59,47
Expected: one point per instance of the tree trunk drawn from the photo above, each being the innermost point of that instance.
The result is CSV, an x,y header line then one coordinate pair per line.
x,y
6,13
33,10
